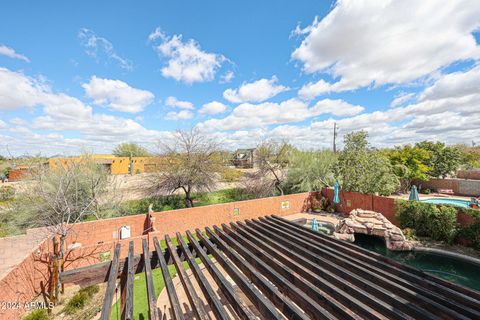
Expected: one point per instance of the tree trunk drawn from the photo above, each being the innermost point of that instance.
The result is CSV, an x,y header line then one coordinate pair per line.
x,y
277,186
60,265
188,199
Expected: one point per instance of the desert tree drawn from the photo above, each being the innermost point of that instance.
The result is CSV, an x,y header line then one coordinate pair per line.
x,y
271,160
58,198
130,150
192,163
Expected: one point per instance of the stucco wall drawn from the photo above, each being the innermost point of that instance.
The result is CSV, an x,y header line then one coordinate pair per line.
x,y
23,283
473,174
119,165
459,186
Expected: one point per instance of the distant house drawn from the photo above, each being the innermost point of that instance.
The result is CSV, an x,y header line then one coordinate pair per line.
x,y
244,158
115,165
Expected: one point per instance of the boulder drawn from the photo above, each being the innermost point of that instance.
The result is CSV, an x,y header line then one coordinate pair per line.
x,y
372,223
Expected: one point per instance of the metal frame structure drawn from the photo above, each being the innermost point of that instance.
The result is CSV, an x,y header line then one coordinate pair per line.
x,y
285,271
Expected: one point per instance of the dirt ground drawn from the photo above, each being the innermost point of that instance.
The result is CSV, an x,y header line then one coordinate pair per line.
x,y
133,187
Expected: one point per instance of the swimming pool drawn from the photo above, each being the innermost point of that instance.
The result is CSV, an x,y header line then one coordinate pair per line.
x,y
454,202
440,265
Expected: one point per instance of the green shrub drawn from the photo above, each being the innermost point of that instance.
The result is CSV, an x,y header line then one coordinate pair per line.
x,y
80,299
471,233
90,291
38,314
428,220
161,203
7,193
425,191
231,175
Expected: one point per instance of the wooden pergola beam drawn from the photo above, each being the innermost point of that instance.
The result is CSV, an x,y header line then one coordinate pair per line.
x,y
111,286
237,303
172,294
153,312
310,299
317,271
127,293
334,285
263,305
214,302
281,301
192,296
285,270
98,273
435,304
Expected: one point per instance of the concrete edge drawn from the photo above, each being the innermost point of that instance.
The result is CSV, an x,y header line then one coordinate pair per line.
x,y
449,254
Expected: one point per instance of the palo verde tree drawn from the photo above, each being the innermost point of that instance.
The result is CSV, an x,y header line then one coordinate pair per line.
x,y
191,163
58,198
130,150
361,168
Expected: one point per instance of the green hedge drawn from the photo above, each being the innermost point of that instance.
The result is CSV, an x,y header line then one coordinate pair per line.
x,y
471,233
428,220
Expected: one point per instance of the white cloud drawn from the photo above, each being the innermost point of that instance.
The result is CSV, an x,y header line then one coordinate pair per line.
x,y
401,99
256,91
100,48
186,61
175,103
117,95
181,115
213,107
227,77
380,42
18,91
18,121
335,107
314,89
455,84
248,115
3,124
62,112
156,34
9,52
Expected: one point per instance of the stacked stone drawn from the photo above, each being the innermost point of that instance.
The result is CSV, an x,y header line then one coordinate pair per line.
x,y
372,223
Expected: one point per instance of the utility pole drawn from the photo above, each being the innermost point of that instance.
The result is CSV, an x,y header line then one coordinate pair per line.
x,y
334,137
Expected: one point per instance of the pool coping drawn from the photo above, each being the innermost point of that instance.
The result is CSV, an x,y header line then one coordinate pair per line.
x,y
448,253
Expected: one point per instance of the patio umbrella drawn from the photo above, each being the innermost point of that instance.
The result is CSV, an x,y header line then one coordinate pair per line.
x,y
314,224
336,199
413,194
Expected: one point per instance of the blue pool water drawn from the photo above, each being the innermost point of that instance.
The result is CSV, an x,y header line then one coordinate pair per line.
x,y
443,266
455,202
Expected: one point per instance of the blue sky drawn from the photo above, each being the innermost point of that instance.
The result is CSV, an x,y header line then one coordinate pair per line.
x,y
89,76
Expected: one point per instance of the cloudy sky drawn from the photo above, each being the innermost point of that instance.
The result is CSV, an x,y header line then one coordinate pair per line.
x,y
90,76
